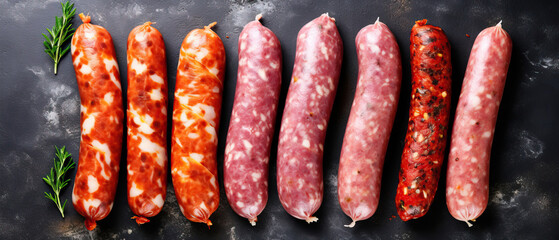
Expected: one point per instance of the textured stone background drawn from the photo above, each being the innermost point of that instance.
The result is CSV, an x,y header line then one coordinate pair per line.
x,y
39,110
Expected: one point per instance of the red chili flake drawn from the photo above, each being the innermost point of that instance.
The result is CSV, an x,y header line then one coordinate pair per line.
x,y
467,35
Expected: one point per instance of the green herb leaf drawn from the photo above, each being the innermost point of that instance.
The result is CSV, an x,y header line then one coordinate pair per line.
x,y
60,34
56,179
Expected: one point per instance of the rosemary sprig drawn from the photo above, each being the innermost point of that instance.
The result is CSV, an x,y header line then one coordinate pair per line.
x,y
60,34
62,163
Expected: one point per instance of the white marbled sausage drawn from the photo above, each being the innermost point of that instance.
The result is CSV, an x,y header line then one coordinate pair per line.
x,y
467,181
310,97
147,122
251,128
370,121
93,56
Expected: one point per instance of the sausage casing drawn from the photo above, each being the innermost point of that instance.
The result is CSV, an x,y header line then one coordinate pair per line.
x,y
426,136
310,97
370,121
251,128
101,118
467,181
196,111
147,122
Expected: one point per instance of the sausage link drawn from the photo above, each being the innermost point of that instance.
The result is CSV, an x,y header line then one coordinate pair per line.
x,y
310,97
425,142
251,128
196,110
370,121
101,118
467,185
147,122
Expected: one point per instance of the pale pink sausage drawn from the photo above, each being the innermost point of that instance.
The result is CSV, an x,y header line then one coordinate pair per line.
x,y
311,94
467,182
370,121
251,128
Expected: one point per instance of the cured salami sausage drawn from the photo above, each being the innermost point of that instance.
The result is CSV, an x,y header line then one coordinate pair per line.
x,y
467,183
428,120
196,110
310,97
251,128
93,56
147,122
370,121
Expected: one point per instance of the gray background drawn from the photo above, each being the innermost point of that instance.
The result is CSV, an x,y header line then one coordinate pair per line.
x,y
39,110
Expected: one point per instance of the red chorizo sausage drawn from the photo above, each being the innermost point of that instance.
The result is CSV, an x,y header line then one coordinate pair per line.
x,y
251,128
101,118
467,182
425,142
196,110
147,122
310,97
370,121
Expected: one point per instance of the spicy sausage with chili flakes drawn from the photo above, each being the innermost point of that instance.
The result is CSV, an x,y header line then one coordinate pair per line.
x,y
429,112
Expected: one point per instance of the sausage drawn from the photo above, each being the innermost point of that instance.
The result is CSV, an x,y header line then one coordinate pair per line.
x,y
425,141
251,128
101,118
147,122
196,110
467,182
370,121
310,97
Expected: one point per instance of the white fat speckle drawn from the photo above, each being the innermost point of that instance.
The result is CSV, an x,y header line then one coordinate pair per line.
x,y
306,143
92,184
531,146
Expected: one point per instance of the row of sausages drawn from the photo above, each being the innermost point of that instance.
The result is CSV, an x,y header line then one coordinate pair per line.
x,y
318,60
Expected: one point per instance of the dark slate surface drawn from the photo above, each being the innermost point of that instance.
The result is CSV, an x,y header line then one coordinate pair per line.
x,y
39,110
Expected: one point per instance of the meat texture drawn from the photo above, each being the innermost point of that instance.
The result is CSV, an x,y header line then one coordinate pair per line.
x,y
147,122
97,74
370,121
310,97
196,111
467,182
425,141
251,128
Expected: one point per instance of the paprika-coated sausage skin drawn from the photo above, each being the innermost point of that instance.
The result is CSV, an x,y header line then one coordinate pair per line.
x,y
196,111
147,122
426,136
101,117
